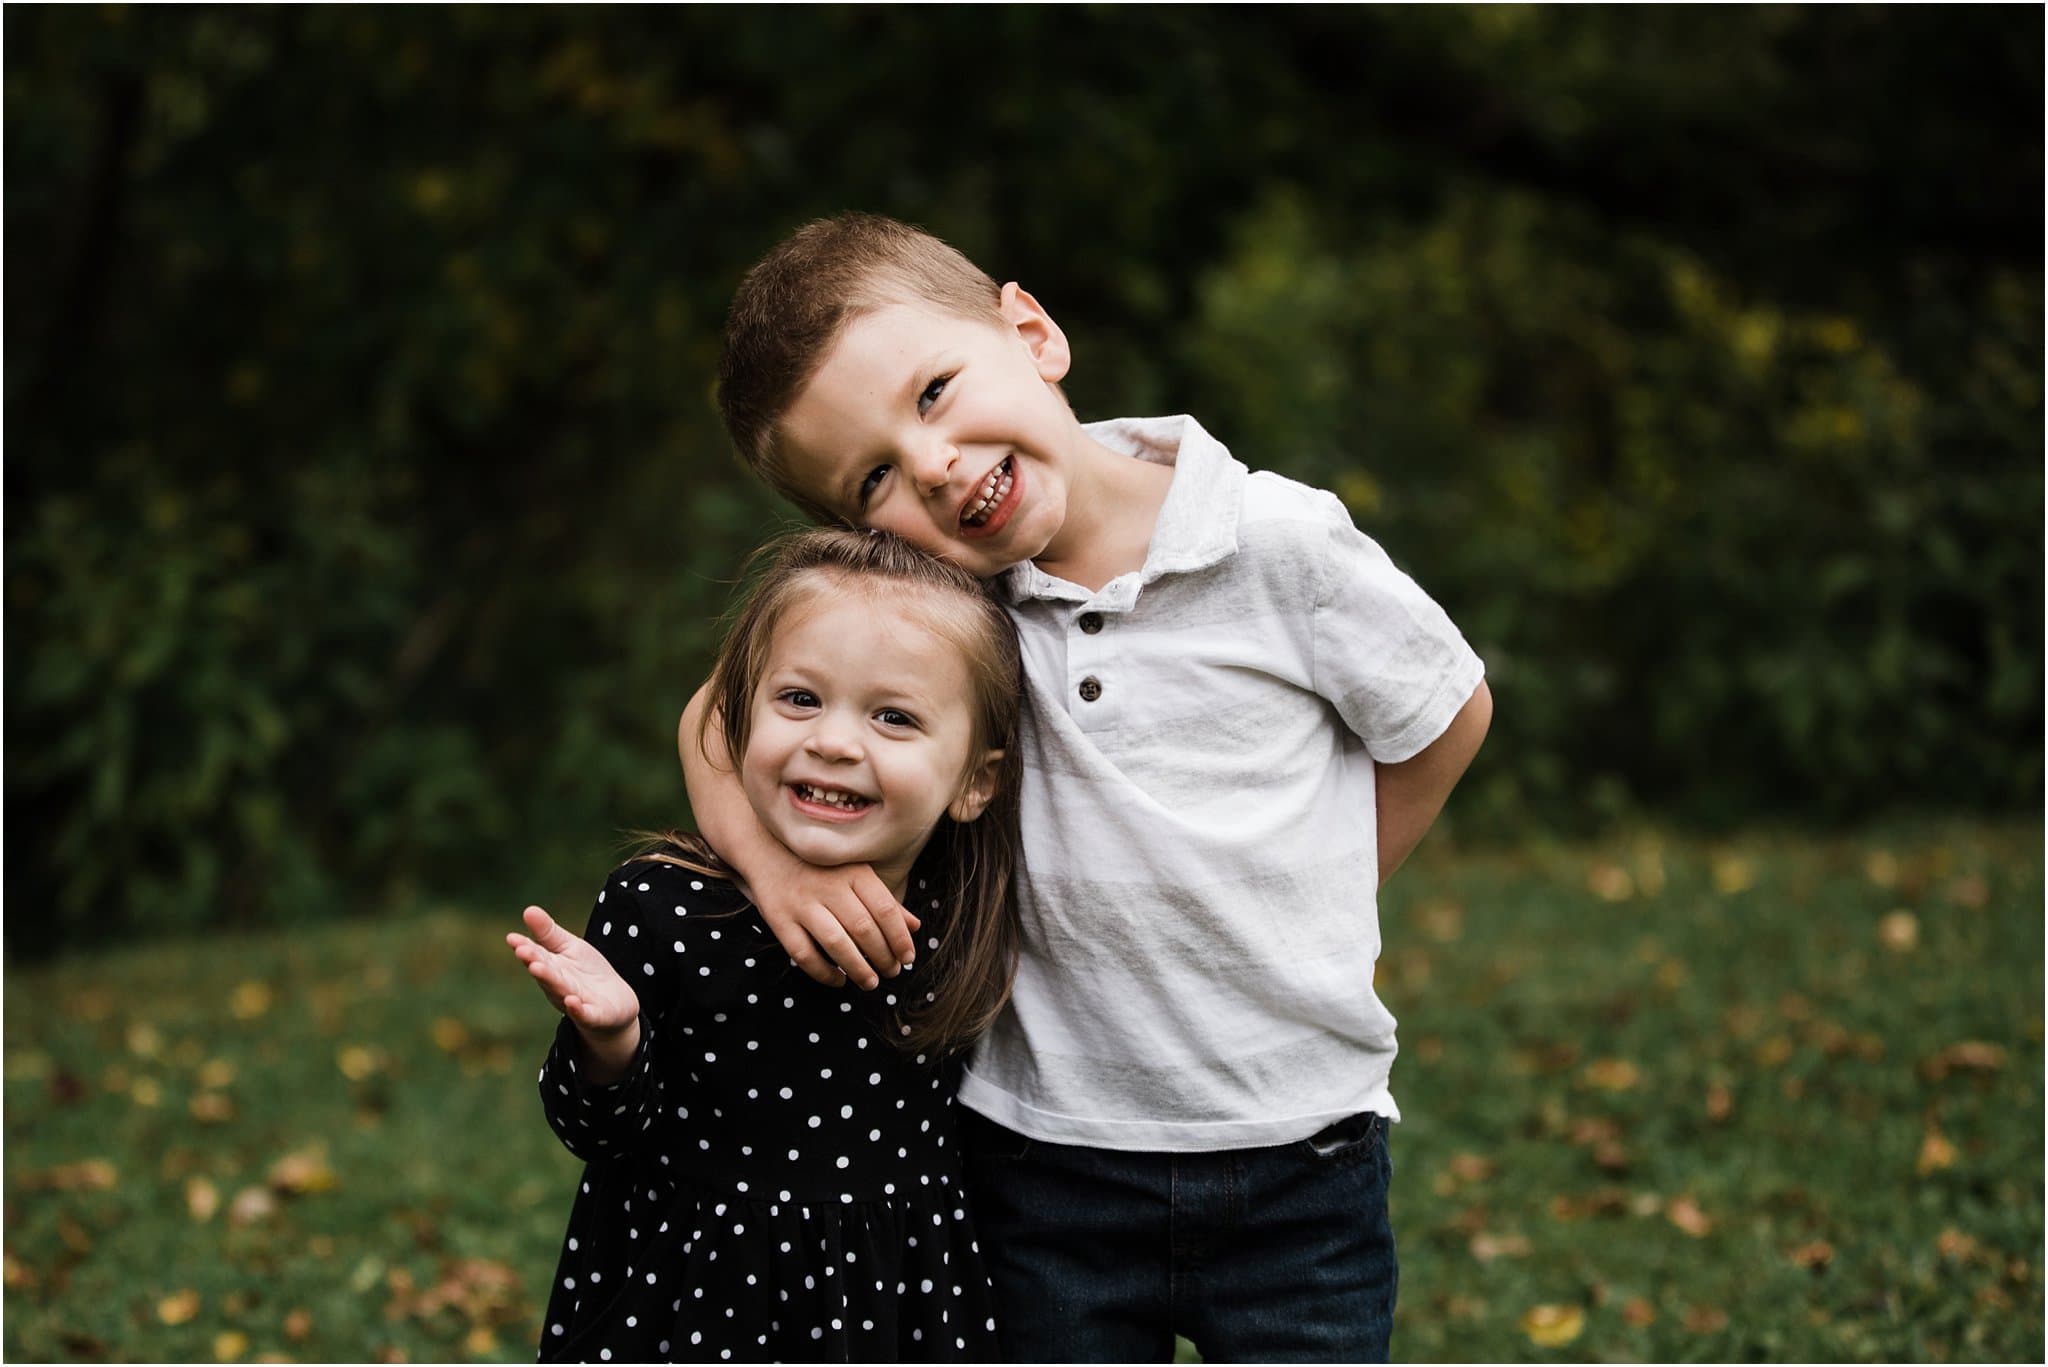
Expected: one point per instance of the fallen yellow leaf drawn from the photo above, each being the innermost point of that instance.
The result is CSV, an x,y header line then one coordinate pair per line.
x,y
1471,1167
16,1274
304,1171
1969,891
202,1198
1955,1245
146,1092
1899,931
1610,883
1553,1326
1487,1247
480,1341
211,1108
1732,874
1882,868
216,1073
1706,1319
1639,1312
178,1308
1612,1074
143,1040
1971,1055
251,1205
298,1325
1720,1102
357,1062
230,1345
1814,1256
1687,1215
450,1034
1936,1152
250,1000
1442,921
88,1174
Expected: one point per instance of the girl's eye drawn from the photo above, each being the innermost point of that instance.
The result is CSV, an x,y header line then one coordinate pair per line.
x,y
891,716
799,697
931,394
867,485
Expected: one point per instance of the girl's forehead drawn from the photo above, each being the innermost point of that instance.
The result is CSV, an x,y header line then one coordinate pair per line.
x,y
887,613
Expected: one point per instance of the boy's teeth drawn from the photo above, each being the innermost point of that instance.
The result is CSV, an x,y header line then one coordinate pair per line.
x,y
993,490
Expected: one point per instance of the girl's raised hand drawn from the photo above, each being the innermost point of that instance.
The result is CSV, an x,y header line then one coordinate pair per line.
x,y
579,981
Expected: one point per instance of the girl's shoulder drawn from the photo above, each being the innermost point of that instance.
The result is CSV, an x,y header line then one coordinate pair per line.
x,y
673,888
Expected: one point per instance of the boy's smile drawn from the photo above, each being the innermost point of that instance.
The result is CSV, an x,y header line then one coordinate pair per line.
x,y
944,430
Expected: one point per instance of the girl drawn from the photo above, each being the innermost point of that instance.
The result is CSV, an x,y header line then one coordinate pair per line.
x,y
771,1165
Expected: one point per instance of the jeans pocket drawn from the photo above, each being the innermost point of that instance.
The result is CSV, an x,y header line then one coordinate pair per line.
x,y
984,1139
1346,1141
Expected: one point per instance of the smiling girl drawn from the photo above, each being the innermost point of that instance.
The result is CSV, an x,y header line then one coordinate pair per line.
x,y
772,1169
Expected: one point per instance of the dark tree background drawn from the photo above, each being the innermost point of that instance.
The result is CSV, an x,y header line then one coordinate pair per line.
x,y
367,514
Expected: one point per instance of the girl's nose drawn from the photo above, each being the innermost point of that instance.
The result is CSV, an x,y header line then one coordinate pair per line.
x,y
833,739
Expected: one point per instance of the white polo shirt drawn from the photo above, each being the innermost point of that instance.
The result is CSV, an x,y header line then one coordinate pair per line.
x,y
1200,862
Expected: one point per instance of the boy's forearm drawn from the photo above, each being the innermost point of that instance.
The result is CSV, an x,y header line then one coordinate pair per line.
x,y
724,817
1411,794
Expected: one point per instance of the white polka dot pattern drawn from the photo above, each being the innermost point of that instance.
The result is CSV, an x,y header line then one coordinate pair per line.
x,y
762,1184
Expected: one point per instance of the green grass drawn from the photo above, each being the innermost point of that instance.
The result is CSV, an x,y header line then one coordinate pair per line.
x,y
1695,1102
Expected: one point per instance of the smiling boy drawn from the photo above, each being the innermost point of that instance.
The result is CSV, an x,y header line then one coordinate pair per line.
x,y
1240,719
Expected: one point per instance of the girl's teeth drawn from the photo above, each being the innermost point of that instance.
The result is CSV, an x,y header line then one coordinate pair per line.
x,y
846,801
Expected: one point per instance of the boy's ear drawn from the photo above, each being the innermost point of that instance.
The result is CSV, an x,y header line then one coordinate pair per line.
x,y
1042,336
978,790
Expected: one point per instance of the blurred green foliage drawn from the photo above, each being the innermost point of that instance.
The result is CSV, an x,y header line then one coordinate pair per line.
x,y
367,514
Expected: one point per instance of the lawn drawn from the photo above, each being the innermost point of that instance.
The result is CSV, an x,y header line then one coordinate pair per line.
x,y
1773,1097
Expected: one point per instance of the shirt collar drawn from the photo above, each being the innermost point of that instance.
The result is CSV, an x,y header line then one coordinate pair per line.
x,y
1198,521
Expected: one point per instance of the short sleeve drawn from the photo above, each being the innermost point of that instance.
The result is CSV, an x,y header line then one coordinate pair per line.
x,y
1385,655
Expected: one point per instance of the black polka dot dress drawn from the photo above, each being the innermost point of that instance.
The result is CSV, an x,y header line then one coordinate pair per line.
x,y
772,1180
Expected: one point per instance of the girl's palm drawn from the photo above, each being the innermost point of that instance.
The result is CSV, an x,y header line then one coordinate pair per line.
x,y
580,982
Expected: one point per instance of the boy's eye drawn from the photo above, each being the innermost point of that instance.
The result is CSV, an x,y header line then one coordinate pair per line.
x,y
893,716
867,484
931,394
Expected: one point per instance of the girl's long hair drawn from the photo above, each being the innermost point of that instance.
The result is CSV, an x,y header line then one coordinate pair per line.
x,y
969,865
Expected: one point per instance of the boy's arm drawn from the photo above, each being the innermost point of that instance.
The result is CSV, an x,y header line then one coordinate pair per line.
x,y
845,912
1411,793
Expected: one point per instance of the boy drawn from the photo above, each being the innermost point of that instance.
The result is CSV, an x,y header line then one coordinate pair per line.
x,y
1241,718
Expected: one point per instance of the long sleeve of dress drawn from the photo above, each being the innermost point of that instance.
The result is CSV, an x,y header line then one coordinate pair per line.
x,y
597,1122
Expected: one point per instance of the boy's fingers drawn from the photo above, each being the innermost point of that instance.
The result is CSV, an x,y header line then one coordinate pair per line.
x,y
890,920
829,930
796,942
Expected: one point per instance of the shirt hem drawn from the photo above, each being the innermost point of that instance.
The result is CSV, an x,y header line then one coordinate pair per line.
x,y
1159,1136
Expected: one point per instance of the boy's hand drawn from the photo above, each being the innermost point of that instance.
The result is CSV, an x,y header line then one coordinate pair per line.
x,y
579,981
836,922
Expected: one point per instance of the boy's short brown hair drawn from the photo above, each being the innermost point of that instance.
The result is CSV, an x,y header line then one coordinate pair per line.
x,y
791,307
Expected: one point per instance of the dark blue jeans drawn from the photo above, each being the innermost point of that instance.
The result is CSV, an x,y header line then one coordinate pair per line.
x,y
1279,1254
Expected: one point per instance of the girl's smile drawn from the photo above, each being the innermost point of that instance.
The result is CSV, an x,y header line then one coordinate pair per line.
x,y
862,730
829,804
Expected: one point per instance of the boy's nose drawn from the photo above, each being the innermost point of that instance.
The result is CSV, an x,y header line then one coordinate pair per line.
x,y
932,467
